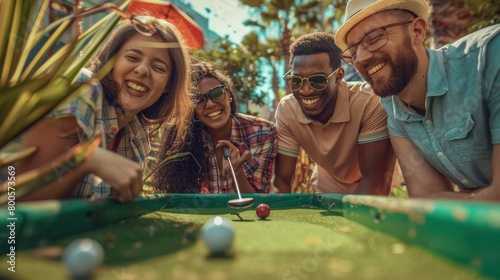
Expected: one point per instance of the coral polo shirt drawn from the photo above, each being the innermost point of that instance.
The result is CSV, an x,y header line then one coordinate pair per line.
x,y
358,119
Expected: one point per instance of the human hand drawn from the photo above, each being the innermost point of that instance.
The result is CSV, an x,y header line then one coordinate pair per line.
x,y
123,174
236,160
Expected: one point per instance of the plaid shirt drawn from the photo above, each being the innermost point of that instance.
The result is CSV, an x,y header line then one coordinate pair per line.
x,y
94,114
248,133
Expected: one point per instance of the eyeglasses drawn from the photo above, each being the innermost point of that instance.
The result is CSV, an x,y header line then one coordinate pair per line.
x,y
144,28
217,94
315,81
372,41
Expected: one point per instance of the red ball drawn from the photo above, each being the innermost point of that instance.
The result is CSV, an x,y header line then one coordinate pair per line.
x,y
263,211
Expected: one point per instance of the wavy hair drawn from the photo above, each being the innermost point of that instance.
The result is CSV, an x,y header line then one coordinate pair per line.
x,y
174,107
187,174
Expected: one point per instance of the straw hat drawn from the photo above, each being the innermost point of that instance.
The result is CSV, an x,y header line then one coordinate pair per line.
x,y
357,10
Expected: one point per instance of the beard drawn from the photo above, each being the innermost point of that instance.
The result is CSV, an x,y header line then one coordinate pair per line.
x,y
404,67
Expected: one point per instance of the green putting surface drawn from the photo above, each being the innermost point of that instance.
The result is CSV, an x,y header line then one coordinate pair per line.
x,y
305,237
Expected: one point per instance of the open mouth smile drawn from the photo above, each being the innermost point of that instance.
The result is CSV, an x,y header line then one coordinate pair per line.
x,y
310,101
214,114
136,87
376,68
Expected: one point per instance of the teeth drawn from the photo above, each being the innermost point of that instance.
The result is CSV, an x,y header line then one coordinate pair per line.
x,y
214,114
375,69
136,87
310,101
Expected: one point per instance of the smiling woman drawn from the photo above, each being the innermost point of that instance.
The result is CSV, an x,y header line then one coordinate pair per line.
x,y
147,84
252,143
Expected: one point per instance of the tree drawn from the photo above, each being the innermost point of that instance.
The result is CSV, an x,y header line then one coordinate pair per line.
x,y
242,64
485,13
451,20
448,21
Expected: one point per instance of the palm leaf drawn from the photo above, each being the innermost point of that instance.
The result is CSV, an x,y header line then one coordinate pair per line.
x,y
8,158
31,39
52,171
37,88
8,11
173,158
31,89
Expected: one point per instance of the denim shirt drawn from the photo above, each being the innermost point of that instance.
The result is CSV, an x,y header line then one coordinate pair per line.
x,y
462,119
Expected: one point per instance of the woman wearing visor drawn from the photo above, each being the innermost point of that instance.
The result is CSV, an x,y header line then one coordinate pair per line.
x,y
252,142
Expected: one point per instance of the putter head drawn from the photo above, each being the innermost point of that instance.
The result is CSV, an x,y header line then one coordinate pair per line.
x,y
240,203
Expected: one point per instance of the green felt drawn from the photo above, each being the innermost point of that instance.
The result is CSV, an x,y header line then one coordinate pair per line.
x,y
298,243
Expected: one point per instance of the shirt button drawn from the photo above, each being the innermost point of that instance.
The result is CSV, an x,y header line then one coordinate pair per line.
x,y
427,122
114,128
440,154
465,181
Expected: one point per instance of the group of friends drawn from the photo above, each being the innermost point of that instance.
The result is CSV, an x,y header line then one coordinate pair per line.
x,y
436,111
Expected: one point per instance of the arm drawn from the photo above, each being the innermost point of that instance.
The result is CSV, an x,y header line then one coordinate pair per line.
x,y
284,169
422,179
263,146
376,163
54,137
237,163
493,191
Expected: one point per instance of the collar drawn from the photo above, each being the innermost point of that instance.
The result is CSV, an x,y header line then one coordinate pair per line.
x,y
437,85
237,135
437,81
342,112
110,121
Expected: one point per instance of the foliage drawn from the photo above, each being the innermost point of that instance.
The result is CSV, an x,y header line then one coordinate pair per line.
x,y
280,22
485,12
31,88
240,62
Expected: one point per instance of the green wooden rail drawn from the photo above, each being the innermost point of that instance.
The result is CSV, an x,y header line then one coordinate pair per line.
x,y
467,233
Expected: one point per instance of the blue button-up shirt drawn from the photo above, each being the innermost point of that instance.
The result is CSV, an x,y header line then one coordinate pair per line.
x,y
462,119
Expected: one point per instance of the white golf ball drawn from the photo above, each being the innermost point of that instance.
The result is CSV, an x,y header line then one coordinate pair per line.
x,y
217,234
82,257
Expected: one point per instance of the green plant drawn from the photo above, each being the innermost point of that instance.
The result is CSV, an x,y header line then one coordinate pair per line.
x,y
485,13
29,89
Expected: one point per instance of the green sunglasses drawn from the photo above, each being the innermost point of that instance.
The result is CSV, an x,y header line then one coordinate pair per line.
x,y
316,81
217,94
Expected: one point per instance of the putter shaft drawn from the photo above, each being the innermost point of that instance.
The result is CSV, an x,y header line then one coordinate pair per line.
x,y
227,155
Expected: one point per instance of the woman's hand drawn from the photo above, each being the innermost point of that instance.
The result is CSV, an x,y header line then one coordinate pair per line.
x,y
124,175
236,160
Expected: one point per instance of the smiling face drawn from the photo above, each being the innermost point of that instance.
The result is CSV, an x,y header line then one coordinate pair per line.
x,y
391,68
316,104
142,73
214,116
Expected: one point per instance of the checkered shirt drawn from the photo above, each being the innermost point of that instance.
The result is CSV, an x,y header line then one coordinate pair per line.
x,y
248,133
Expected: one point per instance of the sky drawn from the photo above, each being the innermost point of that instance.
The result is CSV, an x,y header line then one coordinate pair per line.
x,y
225,17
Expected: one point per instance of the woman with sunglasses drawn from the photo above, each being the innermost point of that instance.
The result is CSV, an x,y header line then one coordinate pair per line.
x,y
252,143
147,85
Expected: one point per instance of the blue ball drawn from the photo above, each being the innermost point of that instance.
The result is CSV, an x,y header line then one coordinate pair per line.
x,y
82,257
217,234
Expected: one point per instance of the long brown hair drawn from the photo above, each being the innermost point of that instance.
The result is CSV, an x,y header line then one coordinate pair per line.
x,y
175,106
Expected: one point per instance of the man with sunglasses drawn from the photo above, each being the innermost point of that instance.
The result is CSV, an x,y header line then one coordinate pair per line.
x,y
341,126
443,105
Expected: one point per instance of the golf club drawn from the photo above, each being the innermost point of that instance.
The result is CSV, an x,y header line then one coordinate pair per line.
x,y
239,202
